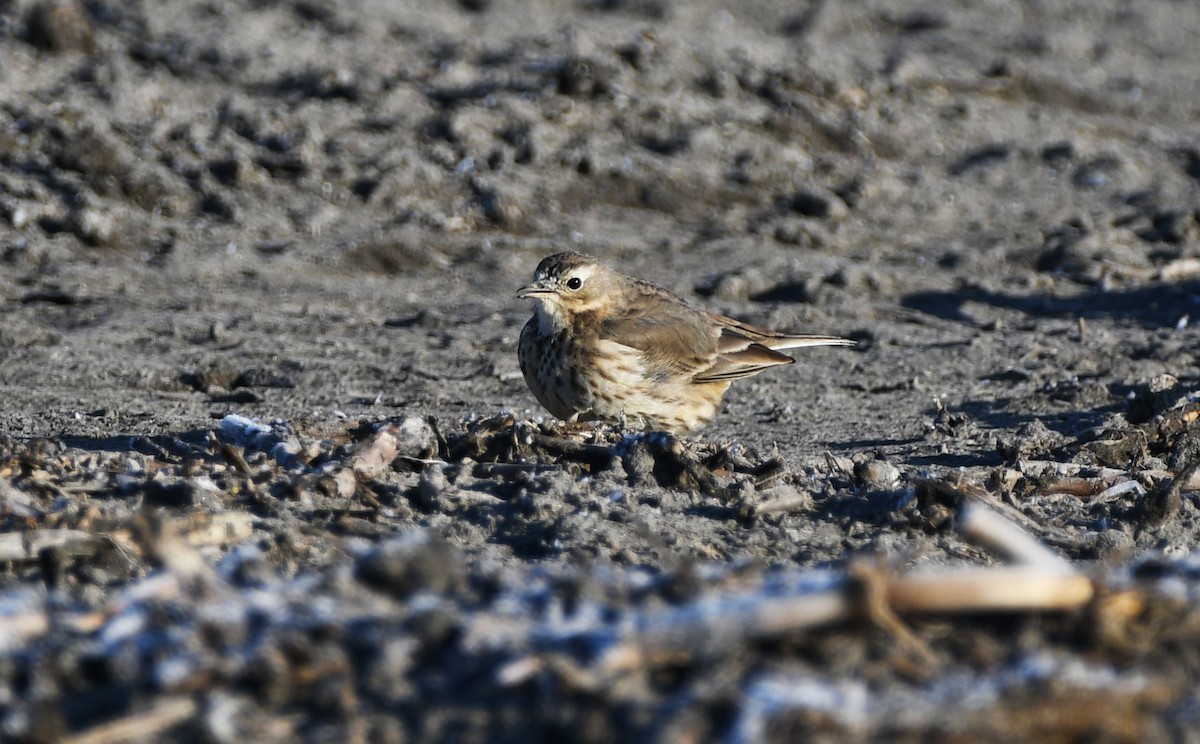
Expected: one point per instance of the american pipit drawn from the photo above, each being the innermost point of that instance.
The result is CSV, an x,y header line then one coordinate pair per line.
x,y
603,345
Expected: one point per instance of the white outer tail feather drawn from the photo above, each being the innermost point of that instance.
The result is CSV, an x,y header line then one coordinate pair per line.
x,y
800,342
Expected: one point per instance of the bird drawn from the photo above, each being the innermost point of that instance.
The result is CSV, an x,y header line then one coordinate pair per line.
x,y
605,346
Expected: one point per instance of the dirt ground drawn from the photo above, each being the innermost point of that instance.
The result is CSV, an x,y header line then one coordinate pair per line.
x,y
269,470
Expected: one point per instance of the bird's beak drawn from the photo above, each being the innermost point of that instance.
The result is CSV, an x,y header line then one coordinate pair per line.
x,y
540,288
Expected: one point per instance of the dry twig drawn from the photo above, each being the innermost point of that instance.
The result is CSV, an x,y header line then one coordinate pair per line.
x,y
141,726
986,527
1040,581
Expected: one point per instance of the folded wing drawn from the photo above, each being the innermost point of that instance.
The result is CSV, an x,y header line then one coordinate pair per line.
x,y
679,340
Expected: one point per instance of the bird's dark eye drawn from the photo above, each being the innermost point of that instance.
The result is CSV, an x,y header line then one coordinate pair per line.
x,y
574,283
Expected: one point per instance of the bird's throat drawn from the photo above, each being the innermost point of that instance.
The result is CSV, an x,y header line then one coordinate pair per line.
x,y
551,318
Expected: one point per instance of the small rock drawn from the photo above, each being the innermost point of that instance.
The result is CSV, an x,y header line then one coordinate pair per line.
x,y
218,331
1162,383
498,208
341,484
801,232
819,204
855,277
93,226
1032,440
1172,226
980,158
1058,151
18,216
228,171
373,458
96,152
735,285
1096,172
430,488
718,83
288,452
219,205
878,475
247,432
60,26
1111,543
731,286
155,189
416,438
584,77
178,493
782,499
415,562
639,464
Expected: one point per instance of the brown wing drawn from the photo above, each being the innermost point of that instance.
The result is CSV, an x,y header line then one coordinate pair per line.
x,y
674,339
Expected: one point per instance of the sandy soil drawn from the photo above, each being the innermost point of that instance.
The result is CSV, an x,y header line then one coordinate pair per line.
x,y
269,469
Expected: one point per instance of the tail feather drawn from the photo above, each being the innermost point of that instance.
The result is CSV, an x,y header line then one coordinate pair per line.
x,y
800,342
736,335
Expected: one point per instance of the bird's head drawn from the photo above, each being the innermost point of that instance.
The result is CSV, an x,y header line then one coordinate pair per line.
x,y
568,283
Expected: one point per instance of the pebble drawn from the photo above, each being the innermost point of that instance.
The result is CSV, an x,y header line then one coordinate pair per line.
x,y
60,26
414,562
416,438
878,475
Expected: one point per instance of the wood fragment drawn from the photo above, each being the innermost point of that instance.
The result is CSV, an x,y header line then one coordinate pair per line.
x,y
374,459
710,627
519,670
230,453
144,726
507,470
1072,486
593,454
1046,468
86,489
1041,582
843,466
1126,271
161,543
994,589
1181,269
422,460
878,606
220,529
1189,481
1118,490
468,497
781,499
25,546
987,528
956,495
714,626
